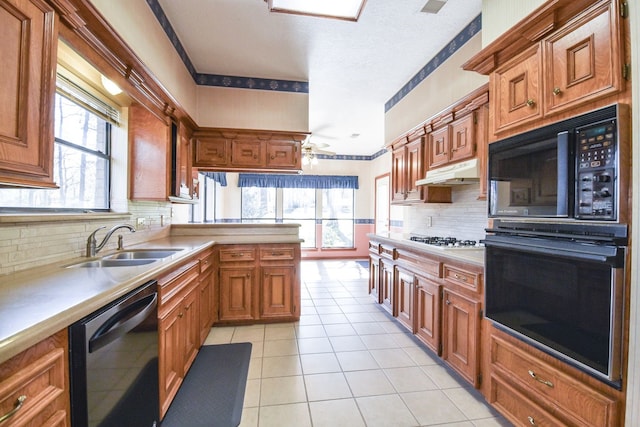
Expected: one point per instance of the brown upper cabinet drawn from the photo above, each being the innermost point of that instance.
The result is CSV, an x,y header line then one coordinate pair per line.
x,y
565,56
160,158
247,149
28,51
455,134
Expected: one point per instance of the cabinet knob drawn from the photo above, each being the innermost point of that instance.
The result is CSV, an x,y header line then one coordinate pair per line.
x,y
181,315
531,102
540,380
556,91
447,302
459,277
531,420
19,402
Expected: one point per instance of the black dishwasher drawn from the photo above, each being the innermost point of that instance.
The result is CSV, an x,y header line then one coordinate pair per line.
x,y
114,363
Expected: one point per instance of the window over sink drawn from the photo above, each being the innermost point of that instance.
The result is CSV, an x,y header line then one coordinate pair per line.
x,y
82,157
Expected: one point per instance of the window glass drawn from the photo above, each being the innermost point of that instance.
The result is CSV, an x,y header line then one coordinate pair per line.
x,y
80,164
337,218
299,206
258,205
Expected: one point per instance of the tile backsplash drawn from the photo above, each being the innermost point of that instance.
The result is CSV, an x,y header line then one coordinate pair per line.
x,y
31,243
464,218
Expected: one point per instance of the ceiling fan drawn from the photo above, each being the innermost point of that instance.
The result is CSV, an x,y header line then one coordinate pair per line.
x,y
310,150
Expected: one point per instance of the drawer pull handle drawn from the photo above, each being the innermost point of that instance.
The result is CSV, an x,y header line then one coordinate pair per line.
x,y
540,380
240,255
11,413
277,253
459,277
531,420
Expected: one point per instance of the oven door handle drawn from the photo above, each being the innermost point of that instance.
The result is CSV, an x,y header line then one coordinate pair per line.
x,y
615,259
122,322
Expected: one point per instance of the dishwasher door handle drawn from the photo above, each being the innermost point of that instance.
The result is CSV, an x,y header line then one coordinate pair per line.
x,y
122,322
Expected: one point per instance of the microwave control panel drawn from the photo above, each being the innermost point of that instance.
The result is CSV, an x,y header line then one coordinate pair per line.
x,y
596,171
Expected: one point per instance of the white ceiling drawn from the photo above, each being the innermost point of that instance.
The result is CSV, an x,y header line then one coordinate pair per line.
x,y
353,68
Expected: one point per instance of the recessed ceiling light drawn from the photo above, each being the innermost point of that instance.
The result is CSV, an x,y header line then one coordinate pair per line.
x,y
348,10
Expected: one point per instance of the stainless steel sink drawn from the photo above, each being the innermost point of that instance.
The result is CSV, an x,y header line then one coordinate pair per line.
x,y
133,254
112,263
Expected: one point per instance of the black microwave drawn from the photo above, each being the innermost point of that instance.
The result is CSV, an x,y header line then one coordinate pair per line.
x,y
568,169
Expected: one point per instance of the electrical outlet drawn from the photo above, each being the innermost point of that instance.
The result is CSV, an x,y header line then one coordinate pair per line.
x,y
140,222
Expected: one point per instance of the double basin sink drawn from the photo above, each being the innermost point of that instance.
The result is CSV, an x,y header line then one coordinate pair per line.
x,y
127,258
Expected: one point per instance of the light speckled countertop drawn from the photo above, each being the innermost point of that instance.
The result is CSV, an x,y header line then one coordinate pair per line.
x,y
469,255
39,302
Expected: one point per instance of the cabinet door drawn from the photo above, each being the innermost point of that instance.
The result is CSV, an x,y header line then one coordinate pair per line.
x,y
28,52
406,297
236,284
190,328
517,90
428,313
398,175
205,309
374,278
415,169
150,155
583,59
460,324
463,138
211,151
171,360
283,155
439,147
276,298
387,287
247,153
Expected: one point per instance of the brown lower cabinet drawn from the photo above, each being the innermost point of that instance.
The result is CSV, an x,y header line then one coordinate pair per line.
x,y
436,298
34,385
178,328
258,283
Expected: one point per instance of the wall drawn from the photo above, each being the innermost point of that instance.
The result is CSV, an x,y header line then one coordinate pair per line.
x,y
633,379
252,109
444,86
500,15
137,26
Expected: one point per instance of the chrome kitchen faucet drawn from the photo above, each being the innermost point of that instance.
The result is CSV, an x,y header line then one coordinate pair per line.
x,y
93,247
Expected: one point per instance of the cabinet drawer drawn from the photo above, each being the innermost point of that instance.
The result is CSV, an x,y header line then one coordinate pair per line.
x,y
275,254
174,282
535,377
388,252
458,276
517,408
206,260
237,254
41,383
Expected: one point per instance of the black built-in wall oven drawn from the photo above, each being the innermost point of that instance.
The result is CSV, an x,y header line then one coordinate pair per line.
x,y
556,251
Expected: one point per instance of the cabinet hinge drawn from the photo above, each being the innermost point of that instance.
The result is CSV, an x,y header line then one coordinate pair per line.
x,y
479,379
475,118
624,9
440,348
481,313
626,70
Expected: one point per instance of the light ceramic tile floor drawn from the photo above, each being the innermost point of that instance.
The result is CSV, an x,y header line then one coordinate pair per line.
x,y
347,363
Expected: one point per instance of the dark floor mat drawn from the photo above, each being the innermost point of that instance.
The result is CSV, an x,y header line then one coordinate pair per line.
x,y
212,393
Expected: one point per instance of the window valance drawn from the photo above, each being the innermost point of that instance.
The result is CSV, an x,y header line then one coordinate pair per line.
x,y
219,177
297,181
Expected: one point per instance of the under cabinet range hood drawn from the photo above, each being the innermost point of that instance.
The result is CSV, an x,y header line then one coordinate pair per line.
x,y
466,172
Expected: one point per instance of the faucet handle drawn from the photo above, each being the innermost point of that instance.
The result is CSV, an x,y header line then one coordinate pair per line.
x,y
92,236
